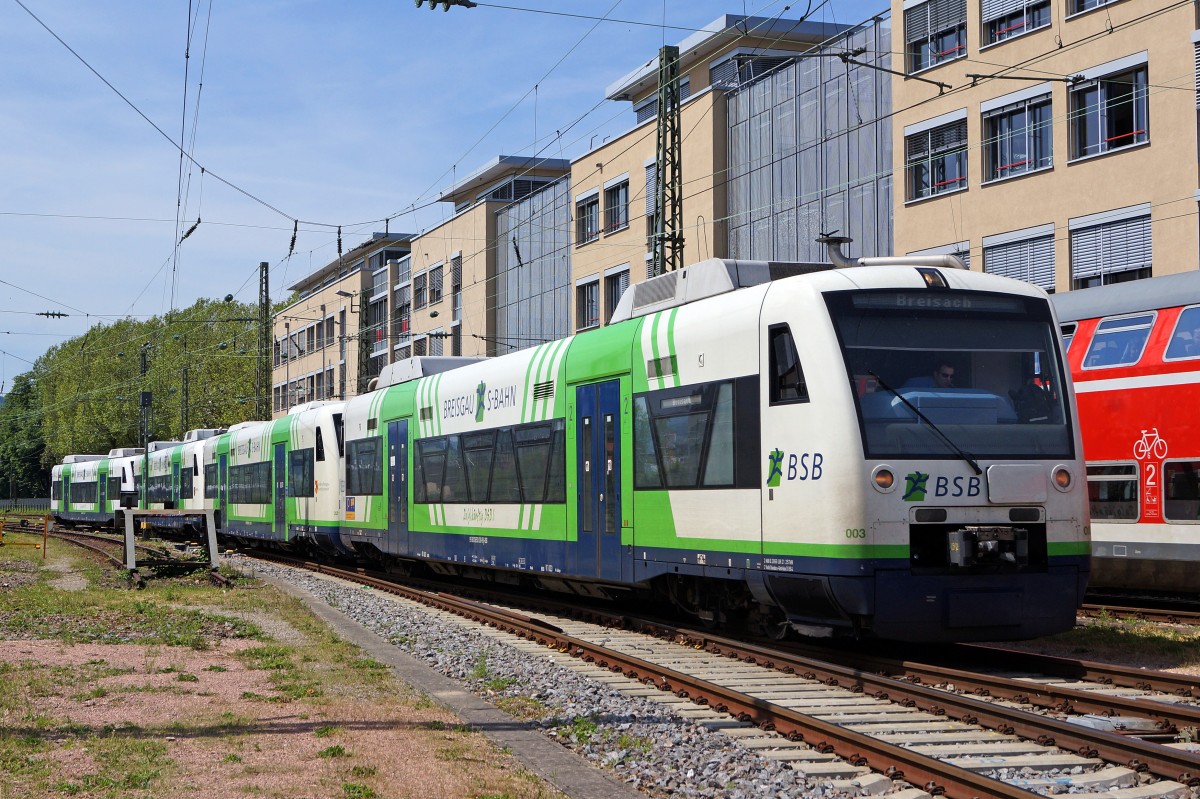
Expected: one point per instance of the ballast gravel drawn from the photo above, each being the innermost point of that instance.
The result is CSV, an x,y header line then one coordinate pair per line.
x,y
640,741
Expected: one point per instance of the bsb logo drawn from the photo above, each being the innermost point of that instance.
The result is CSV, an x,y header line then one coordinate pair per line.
x,y
916,486
798,466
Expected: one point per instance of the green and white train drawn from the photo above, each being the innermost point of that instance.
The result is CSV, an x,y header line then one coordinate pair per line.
x,y
755,442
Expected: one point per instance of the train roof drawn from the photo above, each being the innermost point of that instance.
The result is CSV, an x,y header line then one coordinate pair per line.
x,y
155,446
422,366
1168,291
83,458
125,452
199,434
702,280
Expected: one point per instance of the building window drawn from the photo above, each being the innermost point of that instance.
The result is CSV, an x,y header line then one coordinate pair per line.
x,y
587,305
587,219
1079,6
403,310
616,207
1017,138
418,346
436,342
937,160
1004,19
419,296
435,285
1109,113
456,340
935,31
456,288
614,287
1030,259
1111,252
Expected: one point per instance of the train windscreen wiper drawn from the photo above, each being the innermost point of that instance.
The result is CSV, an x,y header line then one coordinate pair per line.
x,y
966,456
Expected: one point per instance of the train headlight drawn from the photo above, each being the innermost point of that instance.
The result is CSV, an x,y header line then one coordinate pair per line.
x,y
1062,478
884,479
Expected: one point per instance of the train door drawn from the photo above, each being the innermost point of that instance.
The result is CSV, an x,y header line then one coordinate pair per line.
x,y
598,464
102,491
222,482
281,491
176,488
397,537
66,492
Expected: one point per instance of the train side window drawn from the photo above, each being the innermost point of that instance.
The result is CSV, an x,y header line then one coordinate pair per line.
x,y
1068,334
1185,341
339,428
1181,481
1119,341
210,481
1113,491
56,490
786,375
364,466
186,488
320,445
300,473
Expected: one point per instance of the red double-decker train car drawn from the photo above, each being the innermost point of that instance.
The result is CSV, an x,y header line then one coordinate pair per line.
x,y
1134,353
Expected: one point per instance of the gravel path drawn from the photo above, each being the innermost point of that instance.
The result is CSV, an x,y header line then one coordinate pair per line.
x,y
639,740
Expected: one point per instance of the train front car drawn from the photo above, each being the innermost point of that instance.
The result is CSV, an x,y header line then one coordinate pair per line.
x,y
951,503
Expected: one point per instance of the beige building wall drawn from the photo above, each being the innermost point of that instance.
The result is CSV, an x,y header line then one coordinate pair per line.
x,y
1161,172
469,236
629,158
316,356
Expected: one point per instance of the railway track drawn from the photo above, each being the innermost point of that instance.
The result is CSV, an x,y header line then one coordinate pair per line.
x,y
867,719
1143,613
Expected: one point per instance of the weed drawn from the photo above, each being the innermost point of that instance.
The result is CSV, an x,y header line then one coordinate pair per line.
x,y
354,790
500,683
231,758
327,730
582,729
523,707
215,667
634,743
480,670
363,771
336,750
98,692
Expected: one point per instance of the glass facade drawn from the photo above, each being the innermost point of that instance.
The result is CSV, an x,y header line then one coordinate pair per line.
x,y
533,269
810,151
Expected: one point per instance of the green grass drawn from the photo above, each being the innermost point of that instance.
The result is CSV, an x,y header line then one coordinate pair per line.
x,y
354,790
1109,636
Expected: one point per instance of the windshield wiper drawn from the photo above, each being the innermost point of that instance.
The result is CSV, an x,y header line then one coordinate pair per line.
x,y
966,456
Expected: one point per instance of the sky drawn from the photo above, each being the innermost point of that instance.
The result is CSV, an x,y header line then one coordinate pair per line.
x,y
331,113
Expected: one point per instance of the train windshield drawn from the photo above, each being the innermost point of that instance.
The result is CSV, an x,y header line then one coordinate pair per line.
x,y
936,374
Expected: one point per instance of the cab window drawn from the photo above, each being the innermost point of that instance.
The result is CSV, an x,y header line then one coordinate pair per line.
x,y
786,375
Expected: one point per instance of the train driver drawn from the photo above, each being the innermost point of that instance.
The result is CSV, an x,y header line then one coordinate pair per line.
x,y
943,375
